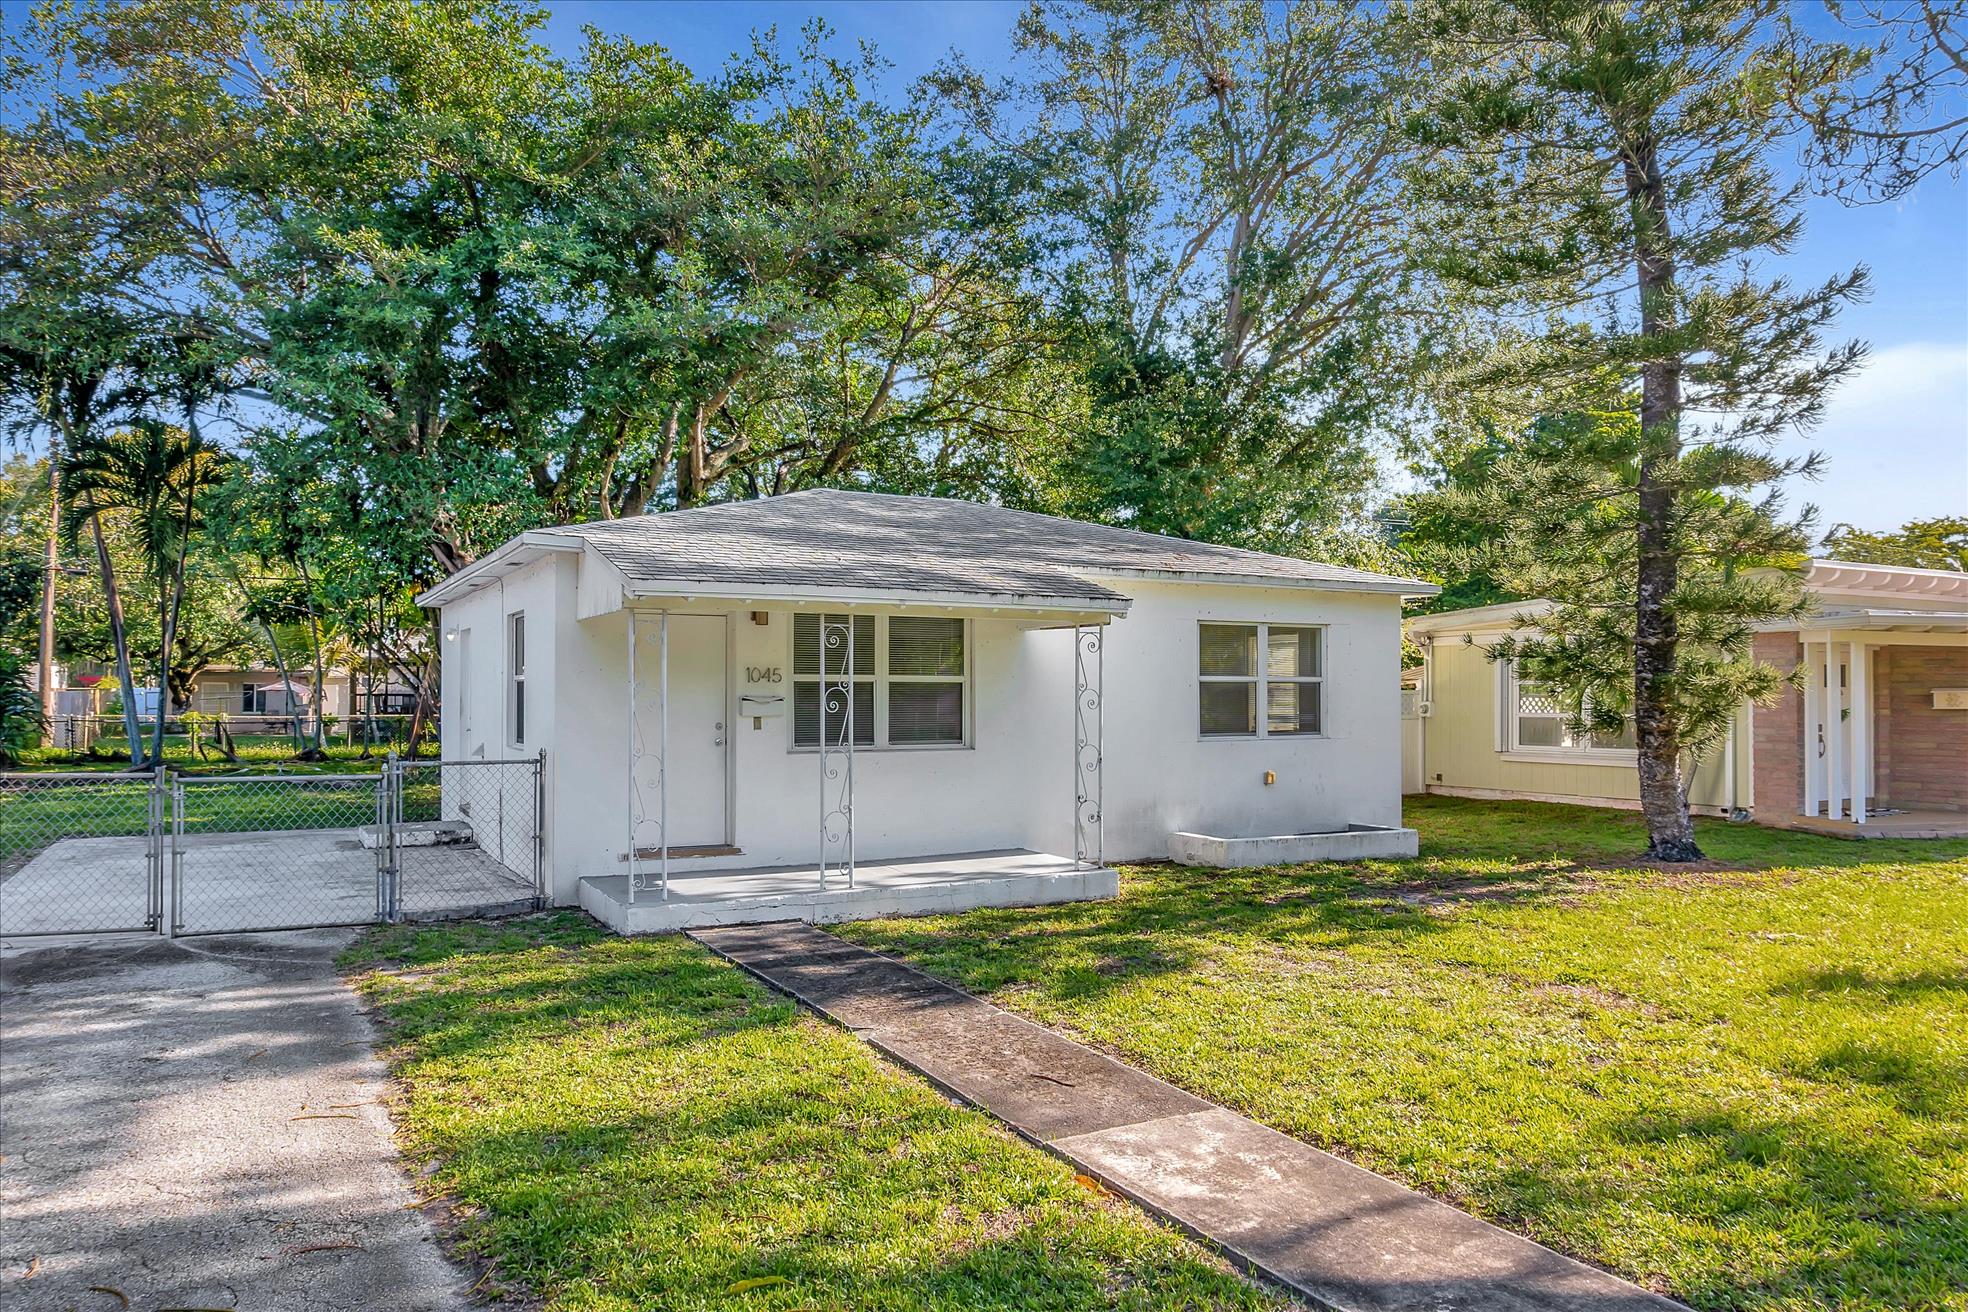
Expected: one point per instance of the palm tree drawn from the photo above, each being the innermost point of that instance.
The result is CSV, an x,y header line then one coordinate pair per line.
x,y
152,475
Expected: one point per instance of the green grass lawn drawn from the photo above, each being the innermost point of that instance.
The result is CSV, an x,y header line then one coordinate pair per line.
x,y
1744,1085
634,1124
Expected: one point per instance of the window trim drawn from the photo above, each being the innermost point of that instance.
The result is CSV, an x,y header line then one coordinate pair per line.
x,y
516,678
1262,680
1513,750
881,680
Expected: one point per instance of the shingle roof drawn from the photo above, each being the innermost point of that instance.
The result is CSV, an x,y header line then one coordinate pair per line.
x,y
931,544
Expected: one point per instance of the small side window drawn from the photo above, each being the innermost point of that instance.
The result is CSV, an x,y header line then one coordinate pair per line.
x,y
516,704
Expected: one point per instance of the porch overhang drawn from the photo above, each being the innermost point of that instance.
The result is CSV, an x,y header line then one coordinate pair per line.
x,y
1918,626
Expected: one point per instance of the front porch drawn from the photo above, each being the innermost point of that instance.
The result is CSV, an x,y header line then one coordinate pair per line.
x,y
913,886
1884,726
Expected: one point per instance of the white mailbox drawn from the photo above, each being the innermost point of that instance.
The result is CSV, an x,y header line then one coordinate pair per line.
x,y
758,706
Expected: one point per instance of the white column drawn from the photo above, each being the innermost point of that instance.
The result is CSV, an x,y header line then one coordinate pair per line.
x,y
1861,755
634,753
663,745
1834,719
1813,727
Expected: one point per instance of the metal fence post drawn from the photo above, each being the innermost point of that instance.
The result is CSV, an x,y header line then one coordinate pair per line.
x,y
393,818
174,915
540,831
154,904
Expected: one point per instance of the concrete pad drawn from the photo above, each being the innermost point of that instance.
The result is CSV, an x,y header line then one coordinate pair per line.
x,y
1325,1229
198,1125
1353,843
232,882
932,885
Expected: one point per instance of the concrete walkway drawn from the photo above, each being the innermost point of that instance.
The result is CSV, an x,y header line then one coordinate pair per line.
x,y
196,1125
1341,1236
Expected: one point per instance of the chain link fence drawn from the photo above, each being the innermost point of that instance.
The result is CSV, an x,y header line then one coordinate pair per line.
x,y
467,837
202,854
79,853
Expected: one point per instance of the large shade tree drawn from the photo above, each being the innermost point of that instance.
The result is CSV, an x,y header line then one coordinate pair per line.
x,y
1224,220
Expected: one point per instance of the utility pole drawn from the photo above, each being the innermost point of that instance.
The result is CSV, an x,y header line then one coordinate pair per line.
x,y
46,652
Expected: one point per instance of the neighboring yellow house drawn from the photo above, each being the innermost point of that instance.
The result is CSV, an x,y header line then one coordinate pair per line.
x,y
1879,745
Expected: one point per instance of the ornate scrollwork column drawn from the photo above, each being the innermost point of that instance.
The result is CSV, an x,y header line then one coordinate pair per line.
x,y
1089,681
836,747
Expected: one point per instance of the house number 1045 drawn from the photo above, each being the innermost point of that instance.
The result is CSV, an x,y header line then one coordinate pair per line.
x,y
762,674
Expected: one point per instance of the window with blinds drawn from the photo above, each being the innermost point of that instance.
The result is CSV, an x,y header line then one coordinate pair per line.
x,y
911,680
1260,680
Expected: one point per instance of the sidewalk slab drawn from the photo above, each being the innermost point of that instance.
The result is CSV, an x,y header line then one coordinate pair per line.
x,y
1329,1231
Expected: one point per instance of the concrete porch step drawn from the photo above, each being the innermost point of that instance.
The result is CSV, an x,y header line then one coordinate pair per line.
x,y
915,886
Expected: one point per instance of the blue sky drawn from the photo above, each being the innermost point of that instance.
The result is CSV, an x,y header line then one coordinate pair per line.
x,y
1896,437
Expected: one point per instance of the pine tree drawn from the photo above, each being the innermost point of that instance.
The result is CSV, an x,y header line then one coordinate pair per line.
x,y
1610,165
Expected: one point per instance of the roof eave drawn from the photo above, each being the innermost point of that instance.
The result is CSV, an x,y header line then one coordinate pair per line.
x,y
726,590
1379,584
516,554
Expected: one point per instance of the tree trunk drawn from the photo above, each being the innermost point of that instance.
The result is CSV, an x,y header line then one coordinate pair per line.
x,y
119,640
279,661
317,734
169,604
427,687
1656,631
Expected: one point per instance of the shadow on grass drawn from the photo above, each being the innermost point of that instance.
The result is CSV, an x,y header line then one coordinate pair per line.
x,y
638,1122
1880,1240
1914,986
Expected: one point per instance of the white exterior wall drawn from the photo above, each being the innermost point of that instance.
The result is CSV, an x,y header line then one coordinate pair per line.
x,y
1163,776
473,682
1011,787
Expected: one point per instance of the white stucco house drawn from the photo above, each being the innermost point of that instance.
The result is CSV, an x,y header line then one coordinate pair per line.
x,y
838,704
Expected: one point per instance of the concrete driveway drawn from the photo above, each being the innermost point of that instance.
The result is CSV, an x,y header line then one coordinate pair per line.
x,y
196,1125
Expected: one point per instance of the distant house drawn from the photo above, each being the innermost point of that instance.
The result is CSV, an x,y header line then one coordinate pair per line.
x,y
258,691
1876,742
805,682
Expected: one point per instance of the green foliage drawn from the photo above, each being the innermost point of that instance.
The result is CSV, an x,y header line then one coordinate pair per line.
x,y
1885,101
1556,515
1740,1087
20,709
1922,543
1222,222
488,288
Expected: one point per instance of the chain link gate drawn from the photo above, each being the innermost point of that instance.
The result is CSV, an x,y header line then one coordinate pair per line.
x,y
205,854
80,853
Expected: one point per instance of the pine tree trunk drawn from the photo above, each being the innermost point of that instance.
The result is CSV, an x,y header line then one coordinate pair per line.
x,y
1656,632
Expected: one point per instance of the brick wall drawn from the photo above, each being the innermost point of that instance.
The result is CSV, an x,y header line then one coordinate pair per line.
x,y
1777,775
1923,756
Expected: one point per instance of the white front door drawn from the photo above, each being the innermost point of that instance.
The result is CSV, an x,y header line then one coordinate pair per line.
x,y
697,729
